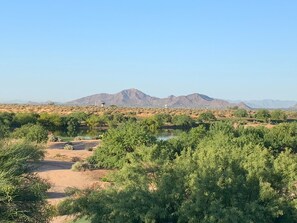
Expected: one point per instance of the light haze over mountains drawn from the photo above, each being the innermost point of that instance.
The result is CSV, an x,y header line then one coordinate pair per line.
x,y
135,98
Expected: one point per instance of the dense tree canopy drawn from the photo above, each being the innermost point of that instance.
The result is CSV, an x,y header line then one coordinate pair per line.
x,y
118,142
221,174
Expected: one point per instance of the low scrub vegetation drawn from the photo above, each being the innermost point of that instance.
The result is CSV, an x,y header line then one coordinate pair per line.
x,y
22,193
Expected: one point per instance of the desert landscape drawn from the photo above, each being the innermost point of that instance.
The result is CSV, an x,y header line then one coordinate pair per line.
x,y
148,111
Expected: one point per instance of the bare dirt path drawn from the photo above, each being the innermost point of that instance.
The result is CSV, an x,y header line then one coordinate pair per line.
x,y
56,169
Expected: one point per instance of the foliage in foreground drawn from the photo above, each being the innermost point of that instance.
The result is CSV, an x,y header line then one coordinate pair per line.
x,y
218,175
118,142
22,193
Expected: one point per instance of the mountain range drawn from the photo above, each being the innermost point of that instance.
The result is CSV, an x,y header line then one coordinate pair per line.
x,y
135,98
269,104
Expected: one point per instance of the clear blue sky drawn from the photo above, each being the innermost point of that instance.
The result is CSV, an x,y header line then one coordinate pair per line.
x,y
65,49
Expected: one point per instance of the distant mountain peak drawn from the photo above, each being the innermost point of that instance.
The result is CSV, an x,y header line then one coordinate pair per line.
x,y
270,104
135,98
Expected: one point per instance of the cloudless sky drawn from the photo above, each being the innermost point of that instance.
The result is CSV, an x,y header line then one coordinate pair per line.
x,y
65,49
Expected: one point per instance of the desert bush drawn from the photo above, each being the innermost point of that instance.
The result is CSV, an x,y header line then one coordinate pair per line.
x,y
30,132
263,114
70,191
4,130
53,138
75,159
80,166
78,138
22,193
279,115
207,117
68,147
183,121
90,148
240,113
6,119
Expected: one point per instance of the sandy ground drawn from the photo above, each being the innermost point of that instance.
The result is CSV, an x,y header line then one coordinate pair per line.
x,y
269,126
56,169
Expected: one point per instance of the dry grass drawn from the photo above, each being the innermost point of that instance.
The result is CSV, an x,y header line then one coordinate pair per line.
x,y
137,112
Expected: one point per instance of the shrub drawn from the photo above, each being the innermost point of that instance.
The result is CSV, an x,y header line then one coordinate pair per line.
x,y
278,115
207,116
53,138
78,138
183,121
263,114
30,132
80,166
4,130
22,193
240,113
25,118
68,147
75,159
51,122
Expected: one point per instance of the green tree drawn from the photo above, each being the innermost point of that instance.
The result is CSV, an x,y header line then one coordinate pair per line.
x,y
221,174
240,113
32,133
263,114
153,123
281,137
72,126
51,122
22,193
207,117
95,121
163,118
4,130
7,118
118,142
278,115
25,118
80,116
183,121
213,184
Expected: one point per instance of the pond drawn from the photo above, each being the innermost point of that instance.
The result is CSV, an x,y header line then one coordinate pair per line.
x,y
166,134
163,134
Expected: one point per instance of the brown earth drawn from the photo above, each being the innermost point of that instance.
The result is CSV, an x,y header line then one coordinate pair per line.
x,y
136,112
56,169
266,125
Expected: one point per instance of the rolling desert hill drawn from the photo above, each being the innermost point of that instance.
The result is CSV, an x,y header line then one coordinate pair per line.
x,y
135,98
